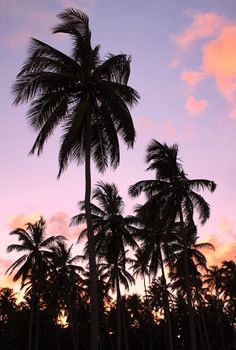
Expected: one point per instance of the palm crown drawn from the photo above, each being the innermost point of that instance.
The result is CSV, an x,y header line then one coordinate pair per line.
x,y
75,90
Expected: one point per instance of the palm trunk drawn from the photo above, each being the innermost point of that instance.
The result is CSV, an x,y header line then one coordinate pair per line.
x,y
202,316
166,302
124,327
70,310
109,336
188,292
32,313
118,314
94,332
37,324
201,337
31,323
145,287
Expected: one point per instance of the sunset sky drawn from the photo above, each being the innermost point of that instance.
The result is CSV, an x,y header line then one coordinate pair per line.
x,y
183,66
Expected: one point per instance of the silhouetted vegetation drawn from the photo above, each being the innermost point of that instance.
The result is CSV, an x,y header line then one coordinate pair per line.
x,y
150,244
82,302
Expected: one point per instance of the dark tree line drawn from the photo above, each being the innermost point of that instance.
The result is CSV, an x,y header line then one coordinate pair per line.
x,y
56,287
186,304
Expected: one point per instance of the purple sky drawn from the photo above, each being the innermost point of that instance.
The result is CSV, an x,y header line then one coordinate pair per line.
x,y
183,66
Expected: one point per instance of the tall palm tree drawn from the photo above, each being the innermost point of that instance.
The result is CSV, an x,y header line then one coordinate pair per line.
x,y
32,265
179,198
90,99
114,232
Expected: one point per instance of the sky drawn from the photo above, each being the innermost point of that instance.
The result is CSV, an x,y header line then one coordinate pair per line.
x,y
184,68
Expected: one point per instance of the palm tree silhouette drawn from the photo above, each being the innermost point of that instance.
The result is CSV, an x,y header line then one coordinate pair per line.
x,y
113,233
154,236
67,281
179,199
32,266
90,99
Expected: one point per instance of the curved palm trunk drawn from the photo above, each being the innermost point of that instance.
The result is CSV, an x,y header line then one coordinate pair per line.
x,y
94,332
188,292
167,304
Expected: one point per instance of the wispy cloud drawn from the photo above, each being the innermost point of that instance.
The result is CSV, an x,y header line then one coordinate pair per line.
x,y
20,220
192,77
219,61
203,25
175,63
223,251
218,57
195,106
4,264
143,124
59,224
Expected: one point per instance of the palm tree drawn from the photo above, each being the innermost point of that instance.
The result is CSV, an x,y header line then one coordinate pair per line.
x,y
114,232
154,236
90,99
32,265
179,199
213,279
140,267
66,279
7,304
228,273
221,282
118,275
196,259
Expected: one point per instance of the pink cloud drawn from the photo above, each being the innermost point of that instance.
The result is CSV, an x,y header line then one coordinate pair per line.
x,y
204,25
20,220
192,77
195,106
4,264
219,61
233,113
223,251
59,224
143,124
167,130
175,63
